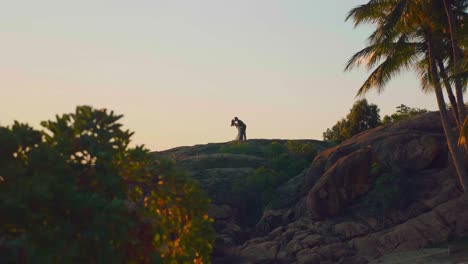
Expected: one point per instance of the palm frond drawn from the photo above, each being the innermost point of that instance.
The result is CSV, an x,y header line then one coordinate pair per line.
x,y
392,66
401,57
395,16
421,68
360,57
373,54
372,11
461,74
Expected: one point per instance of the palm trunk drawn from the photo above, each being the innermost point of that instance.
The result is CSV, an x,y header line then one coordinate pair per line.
x,y
457,155
457,55
451,96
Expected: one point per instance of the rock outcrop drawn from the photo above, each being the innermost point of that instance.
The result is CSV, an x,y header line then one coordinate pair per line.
x,y
350,177
218,171
329,224
326,213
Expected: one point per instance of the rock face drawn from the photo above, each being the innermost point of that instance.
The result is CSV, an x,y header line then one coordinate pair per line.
x,y
325,214
349,178
320,226
218,171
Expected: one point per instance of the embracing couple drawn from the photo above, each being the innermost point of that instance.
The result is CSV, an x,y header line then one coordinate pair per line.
x,y
241,128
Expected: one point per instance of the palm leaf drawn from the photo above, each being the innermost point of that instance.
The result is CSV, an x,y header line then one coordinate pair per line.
x,y
373,11
399,59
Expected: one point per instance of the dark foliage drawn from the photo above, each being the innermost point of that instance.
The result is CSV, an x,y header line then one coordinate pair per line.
x,y
362,116
403,112
77,193
284,161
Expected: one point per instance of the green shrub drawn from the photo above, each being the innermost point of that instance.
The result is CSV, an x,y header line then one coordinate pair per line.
x,y
257,190
403,112
239,147
292,158
301,150
389,191
274,149
284,161
77,193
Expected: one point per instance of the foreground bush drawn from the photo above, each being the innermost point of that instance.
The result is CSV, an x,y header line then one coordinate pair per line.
x,y
77,193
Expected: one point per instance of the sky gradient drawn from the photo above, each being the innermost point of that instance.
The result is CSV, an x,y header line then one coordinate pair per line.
x,y
181,70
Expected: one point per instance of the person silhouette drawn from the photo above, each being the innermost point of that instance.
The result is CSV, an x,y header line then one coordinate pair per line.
x,y
233,123
241,128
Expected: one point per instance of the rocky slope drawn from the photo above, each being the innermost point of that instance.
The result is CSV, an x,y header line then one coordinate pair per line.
x,y
383,191
220,167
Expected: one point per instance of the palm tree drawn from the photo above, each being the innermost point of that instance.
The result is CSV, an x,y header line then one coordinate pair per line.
x,y
408,35
456,153
457,52
448,89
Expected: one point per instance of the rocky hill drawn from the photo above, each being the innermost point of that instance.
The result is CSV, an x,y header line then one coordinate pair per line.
x,y
241,178
387,190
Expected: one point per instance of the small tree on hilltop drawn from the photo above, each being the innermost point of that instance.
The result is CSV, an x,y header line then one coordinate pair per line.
x,y
403,112
362,116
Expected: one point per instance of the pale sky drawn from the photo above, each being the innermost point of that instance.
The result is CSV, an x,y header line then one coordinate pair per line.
x,y
180,70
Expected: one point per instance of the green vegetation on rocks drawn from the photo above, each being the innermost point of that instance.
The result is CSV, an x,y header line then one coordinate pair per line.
x,y
390,191
403,112
364,116
284,160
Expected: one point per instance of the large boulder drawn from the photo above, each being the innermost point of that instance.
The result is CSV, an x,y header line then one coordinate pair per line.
x,y
444,221
349,178
411,151
340,174
258,253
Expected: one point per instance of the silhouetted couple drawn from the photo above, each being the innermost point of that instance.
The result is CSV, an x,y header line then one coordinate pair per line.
x,y
241,128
